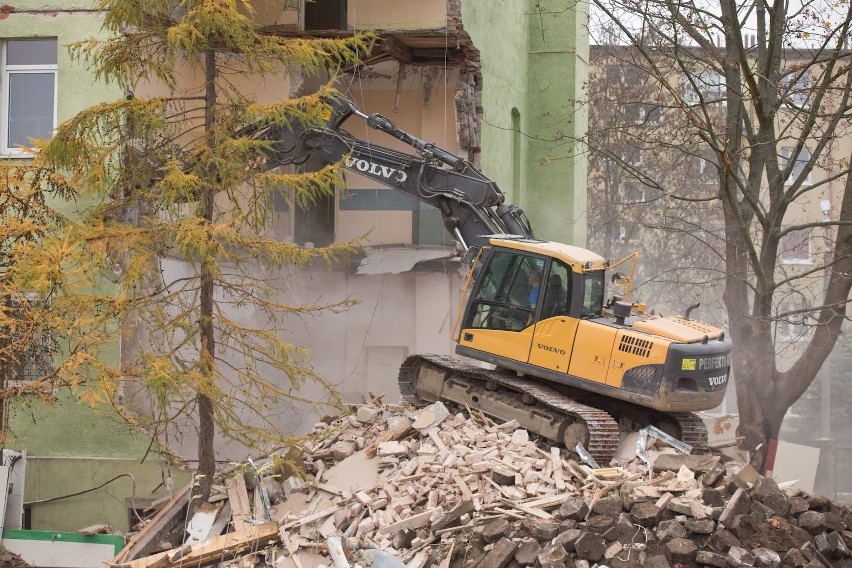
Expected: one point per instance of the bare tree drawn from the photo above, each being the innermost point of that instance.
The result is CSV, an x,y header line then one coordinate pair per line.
x,y
632,163
766,90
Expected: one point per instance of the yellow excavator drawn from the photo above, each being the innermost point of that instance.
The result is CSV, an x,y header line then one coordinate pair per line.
x,y
565,362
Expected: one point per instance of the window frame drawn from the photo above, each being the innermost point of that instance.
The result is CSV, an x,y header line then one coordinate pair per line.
x,y
708,92
6,72
808,241
784,159
796,90
633,192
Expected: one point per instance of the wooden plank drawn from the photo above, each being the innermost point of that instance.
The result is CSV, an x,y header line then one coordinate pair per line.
x,y
215,550
413,522
535,512
310,518
222,520
145,539
238,497
403,428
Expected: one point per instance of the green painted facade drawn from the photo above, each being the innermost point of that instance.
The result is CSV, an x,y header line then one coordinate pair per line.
x,y
55,437
535,57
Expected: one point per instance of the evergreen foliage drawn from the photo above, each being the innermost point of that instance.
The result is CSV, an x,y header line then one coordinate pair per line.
x,y
178,177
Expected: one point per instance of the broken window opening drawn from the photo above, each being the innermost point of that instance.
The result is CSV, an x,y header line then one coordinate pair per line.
x,y
324,15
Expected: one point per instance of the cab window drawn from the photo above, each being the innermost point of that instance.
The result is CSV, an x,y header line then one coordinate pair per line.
x,y
593,293
507,292
557,291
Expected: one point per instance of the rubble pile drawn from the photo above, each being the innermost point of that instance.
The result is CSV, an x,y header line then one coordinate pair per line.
x,y
434,489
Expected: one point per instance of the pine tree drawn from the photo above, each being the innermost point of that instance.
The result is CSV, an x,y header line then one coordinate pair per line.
x,y
175,177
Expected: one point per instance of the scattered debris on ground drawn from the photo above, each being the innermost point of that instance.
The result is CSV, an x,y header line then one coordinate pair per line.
x,y
391,486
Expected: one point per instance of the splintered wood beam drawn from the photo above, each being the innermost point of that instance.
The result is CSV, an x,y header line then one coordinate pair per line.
x,y
238,497
144,540
214,550
397,49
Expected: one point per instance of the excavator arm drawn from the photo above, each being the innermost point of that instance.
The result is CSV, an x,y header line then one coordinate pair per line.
x,y
472,206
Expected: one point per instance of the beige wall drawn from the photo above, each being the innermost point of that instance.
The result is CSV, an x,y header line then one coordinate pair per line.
x,y
398,14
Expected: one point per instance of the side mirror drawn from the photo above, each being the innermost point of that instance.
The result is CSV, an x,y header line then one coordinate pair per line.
x,y
619,279
470,255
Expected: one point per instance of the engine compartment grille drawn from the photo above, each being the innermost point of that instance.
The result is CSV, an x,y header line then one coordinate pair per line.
x,y
635,346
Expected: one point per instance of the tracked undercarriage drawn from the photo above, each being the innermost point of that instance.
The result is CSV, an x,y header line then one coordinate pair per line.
x,y
552,411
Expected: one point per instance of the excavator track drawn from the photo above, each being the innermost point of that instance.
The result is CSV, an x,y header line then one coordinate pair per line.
x,y
535,405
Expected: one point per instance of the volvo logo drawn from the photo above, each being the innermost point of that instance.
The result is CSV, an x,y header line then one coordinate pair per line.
x,y
718,381
375,169
551,349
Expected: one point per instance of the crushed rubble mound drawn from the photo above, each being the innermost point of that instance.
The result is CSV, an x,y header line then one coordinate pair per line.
x,y
391,486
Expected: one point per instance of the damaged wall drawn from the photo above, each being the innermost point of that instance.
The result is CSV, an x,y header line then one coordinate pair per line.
x,y
410,311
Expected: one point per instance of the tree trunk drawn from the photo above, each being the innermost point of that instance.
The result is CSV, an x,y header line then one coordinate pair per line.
x,y
207,362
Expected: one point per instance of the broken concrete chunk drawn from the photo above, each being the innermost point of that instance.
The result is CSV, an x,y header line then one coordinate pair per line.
x,y
680,550
527,552
567,538
766,558
671,529
500,555
367,414
739,504
590,546
520,437
738,556
503,476
708,558
645,514
610,505
292,485
700,526
574,508
698,463
430,417
392,448
541,529
342,450
553,556
495,530
812,521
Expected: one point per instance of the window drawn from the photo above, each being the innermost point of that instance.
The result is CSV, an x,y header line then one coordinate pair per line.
x,y
629,156
792,321
634,192
29,92
795,90
35,345
710,87
798,168
557,294
324,14
507,292
593,293
796,247
642,113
